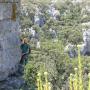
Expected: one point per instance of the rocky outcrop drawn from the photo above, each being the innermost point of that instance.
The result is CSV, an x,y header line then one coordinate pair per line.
x,y
9,37
86,45
14,81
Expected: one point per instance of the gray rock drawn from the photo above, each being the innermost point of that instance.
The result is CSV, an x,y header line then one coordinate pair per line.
x,y
5,87
15,82
10,53
12,83
86,45
70,49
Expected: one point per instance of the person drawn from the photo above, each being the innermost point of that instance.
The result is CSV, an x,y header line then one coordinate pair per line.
x,y
25,50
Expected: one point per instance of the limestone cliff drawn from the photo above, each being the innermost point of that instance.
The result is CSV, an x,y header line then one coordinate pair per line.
x,y
9,37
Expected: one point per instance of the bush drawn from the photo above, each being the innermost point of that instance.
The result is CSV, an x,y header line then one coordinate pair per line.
x,y
51,58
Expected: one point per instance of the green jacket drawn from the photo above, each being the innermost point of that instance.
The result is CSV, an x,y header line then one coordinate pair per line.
x,y
25,48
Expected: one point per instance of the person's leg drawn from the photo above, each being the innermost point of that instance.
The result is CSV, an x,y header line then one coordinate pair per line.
x,y
22,59
25,59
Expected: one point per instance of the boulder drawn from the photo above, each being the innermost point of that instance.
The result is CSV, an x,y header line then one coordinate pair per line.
x,y
10,53
70,49
86,45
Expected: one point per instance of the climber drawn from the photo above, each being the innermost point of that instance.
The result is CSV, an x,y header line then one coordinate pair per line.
x,y
26,50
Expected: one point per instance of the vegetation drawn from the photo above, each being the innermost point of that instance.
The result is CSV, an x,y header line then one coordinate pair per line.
x,y
76,81
51,57
58,65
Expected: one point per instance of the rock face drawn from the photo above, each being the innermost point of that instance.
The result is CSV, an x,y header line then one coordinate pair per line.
x,y
86,45
9,37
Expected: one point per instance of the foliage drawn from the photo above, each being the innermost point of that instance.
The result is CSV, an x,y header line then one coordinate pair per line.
x,y
30,75
43,85
69,21
50,57
76,80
